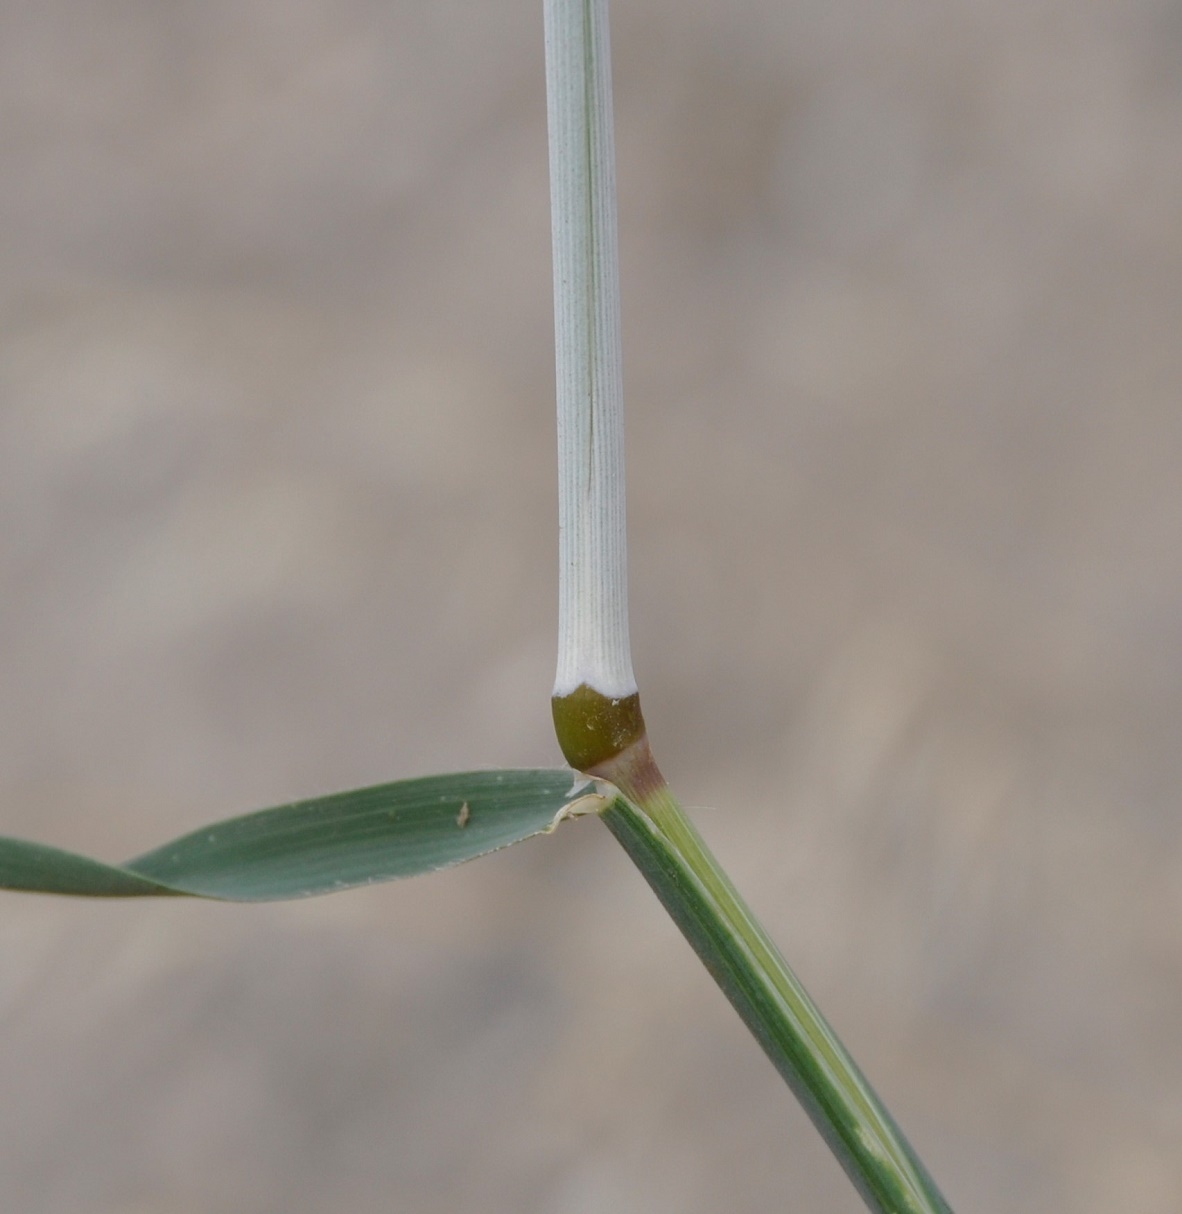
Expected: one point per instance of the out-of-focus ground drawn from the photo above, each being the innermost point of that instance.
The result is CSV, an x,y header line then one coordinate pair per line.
x,y
903,309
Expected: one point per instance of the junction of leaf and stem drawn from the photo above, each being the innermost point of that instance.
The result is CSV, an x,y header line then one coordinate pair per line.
x,y
605,736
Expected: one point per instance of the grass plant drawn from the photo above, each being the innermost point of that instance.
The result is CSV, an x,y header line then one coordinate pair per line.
x,y
417,825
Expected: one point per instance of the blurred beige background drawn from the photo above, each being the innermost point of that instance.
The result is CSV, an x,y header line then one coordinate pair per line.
x,y
903,304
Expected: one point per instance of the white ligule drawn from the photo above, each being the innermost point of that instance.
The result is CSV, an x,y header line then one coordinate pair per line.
x,y
593,576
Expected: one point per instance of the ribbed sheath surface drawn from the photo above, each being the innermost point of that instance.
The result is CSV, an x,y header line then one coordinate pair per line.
x,y
593,581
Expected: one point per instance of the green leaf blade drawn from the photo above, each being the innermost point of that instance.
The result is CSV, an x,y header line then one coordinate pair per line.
x,y
37,869
317,846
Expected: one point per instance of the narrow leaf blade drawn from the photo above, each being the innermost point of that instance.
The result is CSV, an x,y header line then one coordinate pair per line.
x,y
317,846
38,869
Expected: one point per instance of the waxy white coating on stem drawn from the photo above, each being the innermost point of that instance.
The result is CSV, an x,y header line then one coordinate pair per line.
x,y
593,643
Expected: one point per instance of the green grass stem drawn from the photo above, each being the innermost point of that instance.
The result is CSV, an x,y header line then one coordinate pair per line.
x,y
742,959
